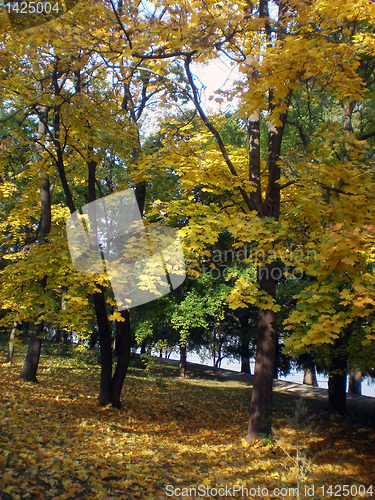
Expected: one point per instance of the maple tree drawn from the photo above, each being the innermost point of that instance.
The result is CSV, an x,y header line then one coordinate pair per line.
x,y
73,139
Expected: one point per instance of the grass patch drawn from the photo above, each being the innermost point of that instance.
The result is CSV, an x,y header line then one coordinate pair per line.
x,y
55,442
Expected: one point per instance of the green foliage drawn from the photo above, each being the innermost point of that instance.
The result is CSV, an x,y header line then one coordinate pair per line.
x,y
80,353
152,365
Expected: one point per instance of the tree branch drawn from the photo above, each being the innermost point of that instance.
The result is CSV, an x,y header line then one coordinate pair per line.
x,y
289,183
364,137
214,132
121,25
335,190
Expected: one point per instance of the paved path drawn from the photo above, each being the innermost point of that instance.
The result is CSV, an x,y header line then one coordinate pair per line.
x,y
352,400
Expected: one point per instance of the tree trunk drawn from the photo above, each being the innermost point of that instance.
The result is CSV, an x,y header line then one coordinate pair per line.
x,y
264,370
62,336
182,365
58,336
355,379
261,403
309,372
214,353
123,332
337,394
106,384
12,336
105,391
337,386
261,400
123,344
245,356
309,377
31,362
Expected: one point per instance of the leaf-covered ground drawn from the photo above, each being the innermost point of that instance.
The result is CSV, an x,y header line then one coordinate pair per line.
x,y
55,442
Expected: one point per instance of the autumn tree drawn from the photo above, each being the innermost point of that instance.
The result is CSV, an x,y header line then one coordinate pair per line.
x,y
58,98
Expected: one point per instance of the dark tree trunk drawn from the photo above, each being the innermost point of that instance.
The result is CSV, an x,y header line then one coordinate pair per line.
x,y
123,344
58,336
140,195
143,348
61,335
182,365
30,365
123,333
45,201
337,394
110,390
245,356
261,401
264,371
12,336
355,379
337,386
214,352
309,372
105,391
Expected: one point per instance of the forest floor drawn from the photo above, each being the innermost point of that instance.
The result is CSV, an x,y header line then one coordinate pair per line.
x,y
173,437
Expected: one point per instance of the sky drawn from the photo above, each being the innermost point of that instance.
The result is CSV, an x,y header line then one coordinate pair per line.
x,y
210,77
216,75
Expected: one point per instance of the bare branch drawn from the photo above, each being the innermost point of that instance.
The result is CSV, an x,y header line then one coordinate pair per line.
x,y
52,186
